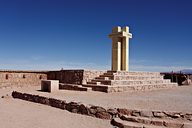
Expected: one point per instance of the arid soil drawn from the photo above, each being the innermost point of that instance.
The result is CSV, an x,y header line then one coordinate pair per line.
x,y
22,114
173,99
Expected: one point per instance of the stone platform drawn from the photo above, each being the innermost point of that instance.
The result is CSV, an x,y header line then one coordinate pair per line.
x,y
120,81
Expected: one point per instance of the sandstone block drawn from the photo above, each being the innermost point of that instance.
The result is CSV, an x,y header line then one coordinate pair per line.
x,y
49,85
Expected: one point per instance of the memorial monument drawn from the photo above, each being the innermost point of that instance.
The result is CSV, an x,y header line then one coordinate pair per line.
x,y
119,78
120,48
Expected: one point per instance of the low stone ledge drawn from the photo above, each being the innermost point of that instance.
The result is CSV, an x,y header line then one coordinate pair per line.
x,y
95,111
155,114
98,111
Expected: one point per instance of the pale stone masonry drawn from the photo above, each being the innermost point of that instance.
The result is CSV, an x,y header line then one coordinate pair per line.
x,y
50,85
123,81
120,48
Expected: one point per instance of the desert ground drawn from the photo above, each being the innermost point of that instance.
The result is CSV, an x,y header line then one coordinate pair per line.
x,y
16,113
22,114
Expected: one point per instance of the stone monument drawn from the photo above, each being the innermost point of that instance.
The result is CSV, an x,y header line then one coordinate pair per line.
x,y
119,78
120,48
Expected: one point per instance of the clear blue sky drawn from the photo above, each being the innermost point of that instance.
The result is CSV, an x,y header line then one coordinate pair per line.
x,y
55,34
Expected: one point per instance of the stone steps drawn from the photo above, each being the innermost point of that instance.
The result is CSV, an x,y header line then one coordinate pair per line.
x,y
128,77
125,121
74,87
138,82
127,82
119,81
132,73
125,124
170,123
129,88
134,77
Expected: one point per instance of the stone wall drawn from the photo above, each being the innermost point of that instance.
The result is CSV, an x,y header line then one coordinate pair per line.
x,y
67,76
21,78
33,78
74,76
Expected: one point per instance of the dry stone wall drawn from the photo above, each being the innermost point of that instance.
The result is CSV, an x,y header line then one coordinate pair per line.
x,y
67,76
98,111
33,78
74,76
21,78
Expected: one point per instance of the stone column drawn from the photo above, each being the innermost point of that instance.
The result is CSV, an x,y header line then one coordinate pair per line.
x,y
125,51
120,48
116,50
116,55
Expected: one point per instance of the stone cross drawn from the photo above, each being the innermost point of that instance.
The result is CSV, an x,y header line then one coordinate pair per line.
x,y
120,48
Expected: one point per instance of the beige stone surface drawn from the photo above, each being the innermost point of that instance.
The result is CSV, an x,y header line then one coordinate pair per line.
x,y
50,85
120,48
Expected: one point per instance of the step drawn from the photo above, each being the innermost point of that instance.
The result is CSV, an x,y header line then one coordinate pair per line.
x,y
128,124
154,121
107,75
105,82
138,82
135,77
132,73
103,78
94,82
133,88
101,88
112,75
74,87
129,82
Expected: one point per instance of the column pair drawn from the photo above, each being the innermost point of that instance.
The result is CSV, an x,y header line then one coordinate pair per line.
x,y
120,48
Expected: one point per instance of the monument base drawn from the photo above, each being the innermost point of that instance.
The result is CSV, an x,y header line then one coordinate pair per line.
x,y
123,81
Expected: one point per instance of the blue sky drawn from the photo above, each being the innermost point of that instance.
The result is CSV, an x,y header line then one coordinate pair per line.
x,y
55,34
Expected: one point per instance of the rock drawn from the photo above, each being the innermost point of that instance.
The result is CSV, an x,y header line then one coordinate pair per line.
x,y
124,111
55,103
158,114
92,111
157,122
173,124
72,107
146,113
188,116
135,113
113,112
98,108
103,115
116,123
173,114
83,109
17,94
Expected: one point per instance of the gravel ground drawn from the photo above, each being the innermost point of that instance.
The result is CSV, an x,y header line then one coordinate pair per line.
x,y
16,113
173,99
22,114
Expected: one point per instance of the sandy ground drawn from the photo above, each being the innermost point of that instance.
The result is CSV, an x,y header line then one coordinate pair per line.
x,y
16,113
22,114
173,99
